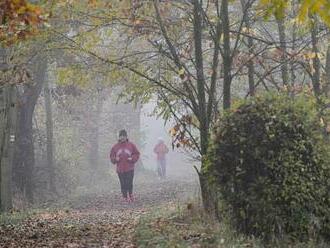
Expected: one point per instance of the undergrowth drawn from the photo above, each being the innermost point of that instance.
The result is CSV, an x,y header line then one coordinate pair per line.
x,y
187,225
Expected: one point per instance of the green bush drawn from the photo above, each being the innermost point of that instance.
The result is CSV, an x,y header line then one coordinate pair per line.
x,y
272,166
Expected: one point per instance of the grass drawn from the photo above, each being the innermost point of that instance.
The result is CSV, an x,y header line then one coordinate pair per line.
x,y
187,225
15,217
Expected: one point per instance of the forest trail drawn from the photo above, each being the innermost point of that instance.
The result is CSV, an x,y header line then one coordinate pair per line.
x,y
95,221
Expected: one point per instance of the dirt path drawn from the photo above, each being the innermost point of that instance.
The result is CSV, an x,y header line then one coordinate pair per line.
x,y
94,221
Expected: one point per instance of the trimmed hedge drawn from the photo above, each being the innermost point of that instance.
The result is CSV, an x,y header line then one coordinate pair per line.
x,y
272,166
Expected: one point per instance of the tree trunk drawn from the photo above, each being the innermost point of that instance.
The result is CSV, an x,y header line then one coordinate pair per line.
x,y
94,134
8,121
24,160
251,71
293,45
227,60
205,192
284,63
327,73
50,142
202,112
202,106
250,64
7,138
316,61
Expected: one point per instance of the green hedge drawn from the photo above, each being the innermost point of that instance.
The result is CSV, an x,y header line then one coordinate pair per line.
x,y
272,166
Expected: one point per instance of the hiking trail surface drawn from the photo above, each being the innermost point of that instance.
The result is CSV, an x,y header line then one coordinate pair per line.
x,y
96,220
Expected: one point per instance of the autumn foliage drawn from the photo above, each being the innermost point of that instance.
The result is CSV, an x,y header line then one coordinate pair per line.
x,y
180,133
19,19
307,8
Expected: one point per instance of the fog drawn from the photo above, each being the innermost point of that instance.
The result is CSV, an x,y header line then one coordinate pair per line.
x,y
86,129
144,129
179,163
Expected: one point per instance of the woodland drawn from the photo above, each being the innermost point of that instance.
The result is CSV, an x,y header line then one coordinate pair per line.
x,y
241,86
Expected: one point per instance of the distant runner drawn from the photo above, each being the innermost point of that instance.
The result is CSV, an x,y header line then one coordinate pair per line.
x,y
161,150
125,154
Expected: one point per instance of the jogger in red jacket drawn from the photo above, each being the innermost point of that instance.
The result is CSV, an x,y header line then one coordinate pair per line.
x,y
125,154
161,150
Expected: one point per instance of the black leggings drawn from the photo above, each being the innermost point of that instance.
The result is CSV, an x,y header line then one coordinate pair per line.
x,y
126,182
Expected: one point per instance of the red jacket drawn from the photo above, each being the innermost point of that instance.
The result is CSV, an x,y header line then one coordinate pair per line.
x,y
160,149
125,155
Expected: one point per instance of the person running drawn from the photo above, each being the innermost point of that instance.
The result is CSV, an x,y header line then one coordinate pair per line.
x,y
161,150
125,154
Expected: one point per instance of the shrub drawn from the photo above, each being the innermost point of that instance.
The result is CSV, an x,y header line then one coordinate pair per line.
x,y
272,165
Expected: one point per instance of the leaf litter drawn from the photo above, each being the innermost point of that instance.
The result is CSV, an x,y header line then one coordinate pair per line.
x,y
92,221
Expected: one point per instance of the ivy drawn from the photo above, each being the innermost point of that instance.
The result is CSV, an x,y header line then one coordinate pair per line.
x,y
272,165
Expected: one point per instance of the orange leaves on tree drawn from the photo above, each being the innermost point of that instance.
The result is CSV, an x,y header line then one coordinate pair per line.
x,y
92,2
179,134
18,19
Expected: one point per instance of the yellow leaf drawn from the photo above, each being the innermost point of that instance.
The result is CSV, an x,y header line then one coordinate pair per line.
x,y
311,55
181,72
21,10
